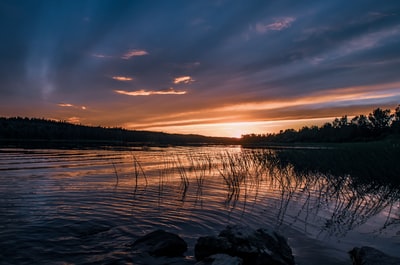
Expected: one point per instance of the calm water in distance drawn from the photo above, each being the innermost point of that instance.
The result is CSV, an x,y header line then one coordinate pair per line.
x,y
88,206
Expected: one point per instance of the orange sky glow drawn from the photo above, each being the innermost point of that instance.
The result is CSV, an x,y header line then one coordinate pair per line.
x,y
215,68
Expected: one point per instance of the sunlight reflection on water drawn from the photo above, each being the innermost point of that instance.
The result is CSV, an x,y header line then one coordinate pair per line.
x,y
78,206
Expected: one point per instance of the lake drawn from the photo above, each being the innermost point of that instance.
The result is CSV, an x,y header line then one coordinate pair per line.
x,y
88,206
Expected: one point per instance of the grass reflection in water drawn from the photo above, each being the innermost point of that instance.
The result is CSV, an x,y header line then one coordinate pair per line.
x,y
343,187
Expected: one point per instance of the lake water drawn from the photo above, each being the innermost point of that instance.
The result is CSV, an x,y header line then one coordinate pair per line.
x,y
88,206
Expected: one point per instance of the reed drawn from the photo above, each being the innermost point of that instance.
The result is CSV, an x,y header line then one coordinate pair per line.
x,y
116,173
137,171
248,173
184,184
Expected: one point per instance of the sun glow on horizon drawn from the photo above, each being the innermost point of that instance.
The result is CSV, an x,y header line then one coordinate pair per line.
x,y
237,129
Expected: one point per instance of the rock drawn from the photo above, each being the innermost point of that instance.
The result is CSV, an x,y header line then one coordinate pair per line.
x,y
160,243
146,259
255,247
371,256
221,259
209,245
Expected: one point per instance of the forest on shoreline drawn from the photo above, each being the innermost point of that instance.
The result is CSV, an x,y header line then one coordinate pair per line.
x,y
378,125
17,131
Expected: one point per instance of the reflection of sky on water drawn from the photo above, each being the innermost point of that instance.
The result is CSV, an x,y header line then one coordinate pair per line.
x,y
192,191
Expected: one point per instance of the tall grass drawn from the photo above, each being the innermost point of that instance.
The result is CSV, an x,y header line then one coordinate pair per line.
x,y
296,176
116,174
137,171
184,185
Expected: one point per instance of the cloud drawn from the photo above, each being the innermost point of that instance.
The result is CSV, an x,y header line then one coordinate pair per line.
x,y
126,56
122,78
143,92
335,96
133,53
74,120
183,79
68,105
278,24
369,40
65,105
99,55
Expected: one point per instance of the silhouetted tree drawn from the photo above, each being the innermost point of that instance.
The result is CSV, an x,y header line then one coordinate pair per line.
x,y
17,129
396,120
397,113
361,128
361,121
379,118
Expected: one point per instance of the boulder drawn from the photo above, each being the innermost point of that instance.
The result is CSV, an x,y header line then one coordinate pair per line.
x,y
371,256
160,243
255,247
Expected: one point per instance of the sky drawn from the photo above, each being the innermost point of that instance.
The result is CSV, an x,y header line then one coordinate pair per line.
x,y
217,68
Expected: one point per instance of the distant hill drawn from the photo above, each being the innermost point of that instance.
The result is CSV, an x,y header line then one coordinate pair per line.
x,y
27,131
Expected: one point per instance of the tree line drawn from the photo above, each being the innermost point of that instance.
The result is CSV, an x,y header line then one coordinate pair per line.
x,y
25,129
378,124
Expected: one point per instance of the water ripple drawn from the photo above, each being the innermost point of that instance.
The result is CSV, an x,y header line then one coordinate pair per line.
x,y
86,206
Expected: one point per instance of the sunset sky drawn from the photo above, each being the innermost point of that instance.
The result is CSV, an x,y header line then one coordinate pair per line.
x,y
220,68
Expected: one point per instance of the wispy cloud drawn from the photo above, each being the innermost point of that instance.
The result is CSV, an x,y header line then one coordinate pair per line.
x,y
370,40
99,55
74,120
68,105
183,80
122,78
133,53
142,92
65,105
334,96
358,44
279,24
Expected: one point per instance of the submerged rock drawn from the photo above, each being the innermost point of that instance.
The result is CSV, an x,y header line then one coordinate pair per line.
x,y
160,243
255,247
371,256
221,259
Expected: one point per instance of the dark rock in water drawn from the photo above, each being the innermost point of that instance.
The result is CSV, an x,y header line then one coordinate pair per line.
x,y
221,259
209,245
160,243
255,247
371,256
146,259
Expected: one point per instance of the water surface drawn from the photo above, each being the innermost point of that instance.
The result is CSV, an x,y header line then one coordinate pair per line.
x,y
88,206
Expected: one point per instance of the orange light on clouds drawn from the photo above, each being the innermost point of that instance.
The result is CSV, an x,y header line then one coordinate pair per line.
x,y
74,120
237,129
68,105
183,80
65,105
326,97
240,117
122,78
143,92
133,53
